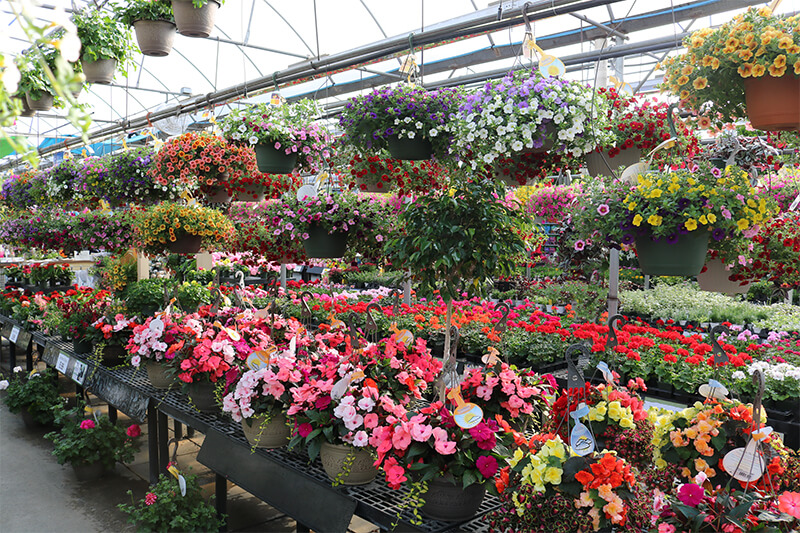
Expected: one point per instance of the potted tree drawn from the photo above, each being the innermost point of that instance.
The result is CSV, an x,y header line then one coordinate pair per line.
x,y
105,44
195,18
411,122
153,23
285,137
748,67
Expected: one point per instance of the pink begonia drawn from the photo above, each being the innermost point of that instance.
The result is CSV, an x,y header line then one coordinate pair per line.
x,y
87,424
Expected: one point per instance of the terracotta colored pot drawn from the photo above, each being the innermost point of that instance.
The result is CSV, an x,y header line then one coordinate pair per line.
x,y
773,103
155,37
192,21
100,71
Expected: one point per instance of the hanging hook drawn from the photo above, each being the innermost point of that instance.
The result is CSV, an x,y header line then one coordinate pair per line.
x,y
275,80
671,120
611,340
411,41
370,325
759,382
525,17
575,379
502,324
720,355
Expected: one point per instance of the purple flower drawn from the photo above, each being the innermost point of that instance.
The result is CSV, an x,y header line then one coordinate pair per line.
x,y
718,234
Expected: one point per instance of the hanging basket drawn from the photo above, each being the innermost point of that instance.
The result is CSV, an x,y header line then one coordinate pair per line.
x,y
448,501
201,393
682,258
415,149
185,243
335,456
159,375
363,185
100,71
43,103
251,193
602,164
323,245
263,434
155,37
274,161
216,195
195,21
715,279
773,104
549,130
113,355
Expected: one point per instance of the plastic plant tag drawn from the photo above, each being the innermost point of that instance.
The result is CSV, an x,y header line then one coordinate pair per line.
x,y
745,464
402,335
14,334
795,204
551,66
490,358
258,360
528,46
580,438
181,481
602,366
157,326
713,389
306,191
466,415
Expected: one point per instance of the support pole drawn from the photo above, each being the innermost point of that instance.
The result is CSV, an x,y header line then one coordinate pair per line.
x,y
163,442
152,443
613,283
407,292
112,414
142,266
283,277
221,486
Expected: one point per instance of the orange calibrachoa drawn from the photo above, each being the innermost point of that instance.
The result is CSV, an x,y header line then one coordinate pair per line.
x,y
709,77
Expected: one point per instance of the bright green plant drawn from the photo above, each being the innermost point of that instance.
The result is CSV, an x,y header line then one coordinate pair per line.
x,y
35,392
82,441
134,10
165,509
102,37
192,295
145,294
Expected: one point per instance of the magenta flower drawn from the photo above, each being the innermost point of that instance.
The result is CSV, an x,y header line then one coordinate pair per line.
x,y
487,466
690,494
87,424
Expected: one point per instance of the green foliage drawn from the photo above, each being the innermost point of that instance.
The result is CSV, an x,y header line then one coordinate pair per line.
x,y
192,295
167,510
98,440
144,294
134,10
457,240
36,392
102,37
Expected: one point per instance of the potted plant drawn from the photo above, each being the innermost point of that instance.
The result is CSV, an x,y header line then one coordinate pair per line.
x,y
160,341
35,86
105,44
153,22
549,203
261,398
775,256
130,181
34,395
78,311
180,228
637,125
750,153
673,215
202,162
411,122
166,507
285,137
91,445
256,233
195,18
524,113
145,297
110,336
744,68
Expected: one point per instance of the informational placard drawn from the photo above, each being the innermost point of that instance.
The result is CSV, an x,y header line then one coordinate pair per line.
x,y
62,363
14,335
79,372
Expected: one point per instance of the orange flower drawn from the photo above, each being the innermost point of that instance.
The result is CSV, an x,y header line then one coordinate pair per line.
x,y
746,70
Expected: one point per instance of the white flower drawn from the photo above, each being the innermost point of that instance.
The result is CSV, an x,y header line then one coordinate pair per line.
x,y
253,140
242,128
136,360
411,134
434,132
366,404
360,439
70,46
738,375
17,369
407,120
418,124
516,146
3,384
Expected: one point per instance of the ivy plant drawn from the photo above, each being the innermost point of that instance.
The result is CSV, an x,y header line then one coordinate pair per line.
x,y
102,37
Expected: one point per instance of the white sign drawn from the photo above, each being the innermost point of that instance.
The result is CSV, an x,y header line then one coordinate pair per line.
x,y
62,363
14,334
79,372
796,203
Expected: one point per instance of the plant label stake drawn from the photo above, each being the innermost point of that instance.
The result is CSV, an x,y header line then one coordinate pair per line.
x,y
575,379
370,326
172,469
580,438
747,464
602,366
466,415
720,355
305,313
612,340
713,389
259,359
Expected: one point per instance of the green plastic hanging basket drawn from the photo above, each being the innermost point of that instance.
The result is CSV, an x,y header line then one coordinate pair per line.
x,y
323,245
685,257
272,161
415,149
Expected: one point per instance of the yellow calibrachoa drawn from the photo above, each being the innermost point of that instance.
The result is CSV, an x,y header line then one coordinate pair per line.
x,y
164,223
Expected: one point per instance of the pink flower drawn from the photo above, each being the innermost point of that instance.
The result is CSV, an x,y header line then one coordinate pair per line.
x,y
666,528
133,431
360,439
87,424
304,429
789,503
690,494
603,209
150,498
487,466
370,420
421,432
401,438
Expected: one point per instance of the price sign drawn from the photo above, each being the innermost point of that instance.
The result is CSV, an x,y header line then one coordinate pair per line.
x,y
79,372
14,334
62,363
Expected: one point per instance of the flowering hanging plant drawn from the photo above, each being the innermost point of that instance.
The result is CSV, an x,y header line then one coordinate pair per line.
x,y
776,252
636,122
201,160
402,177
710,77
524,112
130,180
551,202
156,226
782,188
256,232
265,391
288,127
403,111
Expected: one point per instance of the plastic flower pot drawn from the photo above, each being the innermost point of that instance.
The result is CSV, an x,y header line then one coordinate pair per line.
x,y
773,103
334,457
43,103
201,393
100,71
602,164
682,258
251,193
715,279
113,355
266,434
448,501
321,244
718,162
159,376
363,185
89,471
30,422
274,161
415,149
192,21
185,243
26,109
216,195
81,346
155,37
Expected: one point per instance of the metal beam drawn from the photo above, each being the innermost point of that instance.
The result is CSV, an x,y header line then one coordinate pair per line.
x,y
255,46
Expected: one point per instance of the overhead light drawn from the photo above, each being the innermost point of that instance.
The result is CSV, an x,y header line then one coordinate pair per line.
x,y
186,91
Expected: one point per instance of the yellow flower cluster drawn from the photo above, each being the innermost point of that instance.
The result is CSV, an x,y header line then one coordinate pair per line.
x,y
544,466
166,221
623,416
